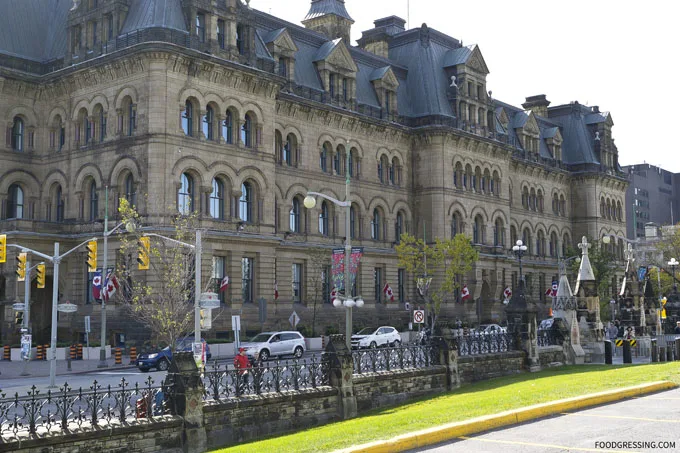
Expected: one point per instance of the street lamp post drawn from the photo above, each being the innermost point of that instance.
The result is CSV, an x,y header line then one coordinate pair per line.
x,y
346,300
519,249
672,263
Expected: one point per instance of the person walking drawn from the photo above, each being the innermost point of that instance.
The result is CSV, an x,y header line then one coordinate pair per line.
x,y
677,328
242,366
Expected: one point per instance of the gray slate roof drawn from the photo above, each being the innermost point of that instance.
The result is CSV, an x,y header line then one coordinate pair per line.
x,y
323,7
154,14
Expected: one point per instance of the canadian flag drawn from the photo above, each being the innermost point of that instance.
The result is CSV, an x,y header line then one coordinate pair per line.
x,y
552,291
97,285
111,287
507,293
276,290
388,292
334,293
224,284
465,293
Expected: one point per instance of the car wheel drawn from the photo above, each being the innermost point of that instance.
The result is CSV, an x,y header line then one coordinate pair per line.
x,y
264,355
163,365
144,370
298,352
373,345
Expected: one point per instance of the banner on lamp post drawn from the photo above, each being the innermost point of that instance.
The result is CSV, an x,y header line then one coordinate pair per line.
x,y
338,267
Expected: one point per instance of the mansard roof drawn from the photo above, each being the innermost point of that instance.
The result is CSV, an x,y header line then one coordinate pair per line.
x,y
324,7
154,14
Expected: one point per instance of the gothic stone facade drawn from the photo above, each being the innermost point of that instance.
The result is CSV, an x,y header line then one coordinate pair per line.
x,y
215,107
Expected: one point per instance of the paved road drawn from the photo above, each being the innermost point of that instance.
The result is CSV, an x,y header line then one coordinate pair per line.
x,y
653,418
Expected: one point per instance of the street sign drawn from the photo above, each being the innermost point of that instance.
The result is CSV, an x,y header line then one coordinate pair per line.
x,y
407,306
19,306
418,316
294,320
67,308
263,310
87,324
209,301
235,323
26,347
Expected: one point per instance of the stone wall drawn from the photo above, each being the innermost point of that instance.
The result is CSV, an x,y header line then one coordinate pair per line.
x,y
551,354
487,366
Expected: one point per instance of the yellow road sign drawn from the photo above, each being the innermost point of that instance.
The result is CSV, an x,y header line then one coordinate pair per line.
x,y
619,342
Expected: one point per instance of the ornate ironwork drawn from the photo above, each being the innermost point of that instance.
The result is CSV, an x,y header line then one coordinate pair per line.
x,y
38,414
402,357
549,337
476,343
271,377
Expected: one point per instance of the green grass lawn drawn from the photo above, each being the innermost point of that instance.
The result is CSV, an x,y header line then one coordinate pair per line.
x,y
481,398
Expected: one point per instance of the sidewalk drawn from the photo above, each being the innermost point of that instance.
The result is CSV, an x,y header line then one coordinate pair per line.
x,y
41,368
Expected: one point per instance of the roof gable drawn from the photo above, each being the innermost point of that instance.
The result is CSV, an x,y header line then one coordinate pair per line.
x,y
385,75
469,56
280,40
335,53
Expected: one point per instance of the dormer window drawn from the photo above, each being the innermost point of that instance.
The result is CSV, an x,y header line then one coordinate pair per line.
x,y
75,38
283,67
200,27
220,33
240,39
109,27
345,91
331,85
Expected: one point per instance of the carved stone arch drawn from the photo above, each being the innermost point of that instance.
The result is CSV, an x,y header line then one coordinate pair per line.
x,y
186,94
27,112
401,205
255,110
188,161
254,173
225,169
82,104
457,158
524,225
55,176
360,150
28,180
540,226
235,106
396,153
85,171
99,99
382,151
293,191
286,131
325,138
496,168
553,229
457,206
478,210
499,213
378,202
59,110
359,200
216,100
123,165
127,90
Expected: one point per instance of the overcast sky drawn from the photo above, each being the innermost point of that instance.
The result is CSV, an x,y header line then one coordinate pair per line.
x,y
620,55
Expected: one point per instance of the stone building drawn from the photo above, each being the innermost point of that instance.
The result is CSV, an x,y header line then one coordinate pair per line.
x,y
216,107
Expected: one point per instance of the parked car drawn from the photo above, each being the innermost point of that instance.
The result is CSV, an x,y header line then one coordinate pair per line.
x,y
370,337
491,328
161,359
269,344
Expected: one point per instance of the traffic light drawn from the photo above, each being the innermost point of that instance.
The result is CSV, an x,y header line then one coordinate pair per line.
x,y
19,318
40,276
143,254
3,248
21,267
92,256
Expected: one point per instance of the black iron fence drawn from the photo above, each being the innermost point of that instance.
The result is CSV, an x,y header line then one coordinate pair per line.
x,y
38,414
476,343
402,357
221,383
549,337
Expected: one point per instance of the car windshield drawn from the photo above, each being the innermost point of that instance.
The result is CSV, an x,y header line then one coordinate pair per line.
x,y
366,331
260,338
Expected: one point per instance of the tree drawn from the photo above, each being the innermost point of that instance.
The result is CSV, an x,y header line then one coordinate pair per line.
x,y
446,260
319,266
162,297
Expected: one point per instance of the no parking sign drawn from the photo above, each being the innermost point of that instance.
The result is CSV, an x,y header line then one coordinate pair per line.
x,y
418,316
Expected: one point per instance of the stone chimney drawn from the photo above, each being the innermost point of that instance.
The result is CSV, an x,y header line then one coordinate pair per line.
x,y
537,104
330,18
377,39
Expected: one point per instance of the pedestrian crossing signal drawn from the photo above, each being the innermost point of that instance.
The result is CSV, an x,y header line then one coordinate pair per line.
x,y
3,248
92,256
19,318
144,246
40,276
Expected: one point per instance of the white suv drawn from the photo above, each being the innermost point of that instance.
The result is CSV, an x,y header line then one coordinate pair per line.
x,y
269,344
372,338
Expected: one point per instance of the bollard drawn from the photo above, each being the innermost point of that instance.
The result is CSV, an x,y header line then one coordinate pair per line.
x,y
677,348
119,357
7,354
79,351
39,352
662,354
627,358
655,351
133,355
607,352
72,352
669,353
46,348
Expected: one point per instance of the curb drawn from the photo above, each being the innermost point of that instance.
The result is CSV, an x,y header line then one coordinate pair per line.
x,y
451,431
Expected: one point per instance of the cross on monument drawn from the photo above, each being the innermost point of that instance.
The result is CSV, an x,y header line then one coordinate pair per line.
x,y
584,246
630,253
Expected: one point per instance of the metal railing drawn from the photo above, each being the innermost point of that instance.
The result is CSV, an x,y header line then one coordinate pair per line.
x,y
549,337
476,343
270,377
39,414
402,357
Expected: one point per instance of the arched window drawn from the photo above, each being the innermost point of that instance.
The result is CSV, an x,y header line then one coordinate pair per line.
x,y
59,204
563,206
393,172
384,169
323,219
18,134
217,199
130,193
540,243
603,208
351,163
352,222
478,231
246,202
185,195
553,244
375,225
555,204
456,225
525,198
295,216
188,119
102,124
565,243
288,150
208,123
540,201
499,233
526,239
15,205
337,160
323,158
94,202
247,131
228,127
398,227
87,127
513,235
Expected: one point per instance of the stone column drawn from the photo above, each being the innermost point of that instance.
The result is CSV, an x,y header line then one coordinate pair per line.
x,y
448,356
521,315
185,399
341,369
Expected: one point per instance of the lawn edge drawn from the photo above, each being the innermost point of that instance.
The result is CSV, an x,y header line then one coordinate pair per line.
x,y
449,431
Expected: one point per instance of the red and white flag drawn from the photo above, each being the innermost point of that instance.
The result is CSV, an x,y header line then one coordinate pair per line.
x,y
465,293
224,284
388,292
334,293
276,290
111,287
507,293
552,291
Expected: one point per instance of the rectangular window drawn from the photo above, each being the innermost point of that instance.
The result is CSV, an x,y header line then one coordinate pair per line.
x,y
94,34
401,282
220,33
331,85
297,282
132,125
219,271
247,280
109,27
200,27
377,282
283,67
345,91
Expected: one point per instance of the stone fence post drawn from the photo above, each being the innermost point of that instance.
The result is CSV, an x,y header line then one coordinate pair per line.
x,y
448,356
341,366
186,400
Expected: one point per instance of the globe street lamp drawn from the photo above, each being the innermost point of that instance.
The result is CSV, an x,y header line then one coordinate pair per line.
x,y
519,249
